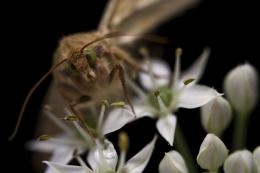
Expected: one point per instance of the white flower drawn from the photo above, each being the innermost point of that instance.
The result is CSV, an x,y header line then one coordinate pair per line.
x,y
116,119
216,115
256,155
63,146
240,162
103,159
173,162
165,99
212,153
241,88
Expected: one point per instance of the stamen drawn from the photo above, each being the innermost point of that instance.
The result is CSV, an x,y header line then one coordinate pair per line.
x,y
188,81
151,74
145,53
136,89
67,141
178,52
118,104
85,128
88,139
176,74
162,106
82,163
101,147
122,159
71,118
105,102
156,93
57,121
101,119
123,143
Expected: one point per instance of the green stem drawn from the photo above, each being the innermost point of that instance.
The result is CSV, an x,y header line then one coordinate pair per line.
x,y
240,131
183,148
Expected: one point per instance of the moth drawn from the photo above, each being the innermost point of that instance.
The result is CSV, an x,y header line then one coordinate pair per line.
x,y
88,67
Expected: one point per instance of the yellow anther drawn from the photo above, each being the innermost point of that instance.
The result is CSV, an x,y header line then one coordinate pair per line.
x,y
188,81
44,137
123,141
118,104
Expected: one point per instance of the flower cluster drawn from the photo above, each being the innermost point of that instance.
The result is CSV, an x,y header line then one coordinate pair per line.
x,y
160,94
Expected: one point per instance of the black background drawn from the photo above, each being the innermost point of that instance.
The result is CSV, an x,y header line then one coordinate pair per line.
x,y
29,38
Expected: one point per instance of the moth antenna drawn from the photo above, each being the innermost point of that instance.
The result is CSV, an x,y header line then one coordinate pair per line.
x,y
36,85
151,38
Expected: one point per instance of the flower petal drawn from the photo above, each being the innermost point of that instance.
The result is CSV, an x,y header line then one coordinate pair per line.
x,y
103,157
256,156
42,146
139,161
143,111
59,141
173,162
195,96
166,127
59,168
117,119
159,68
196,70
62,156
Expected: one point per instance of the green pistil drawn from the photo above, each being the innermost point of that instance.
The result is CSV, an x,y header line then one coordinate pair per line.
x,y
165,94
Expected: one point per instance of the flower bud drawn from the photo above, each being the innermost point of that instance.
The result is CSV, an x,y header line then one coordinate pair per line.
x,y
216,115
256,155
173,162
212,154
241,88
240,161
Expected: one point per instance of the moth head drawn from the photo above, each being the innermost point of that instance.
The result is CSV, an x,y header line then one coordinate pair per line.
x,y
99,60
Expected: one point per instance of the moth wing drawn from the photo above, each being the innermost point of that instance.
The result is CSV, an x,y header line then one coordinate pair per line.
x,y
57,105
141,16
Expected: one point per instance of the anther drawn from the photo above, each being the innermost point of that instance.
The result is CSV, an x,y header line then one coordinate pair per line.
x,y
156,93
44,137
71,118
188,81
118,104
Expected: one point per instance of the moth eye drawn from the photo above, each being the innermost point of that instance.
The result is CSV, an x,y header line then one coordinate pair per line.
x,y
91,56
70,70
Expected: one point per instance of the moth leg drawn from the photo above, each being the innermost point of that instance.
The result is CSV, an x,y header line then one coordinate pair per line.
x,y
121,74
76,104
74,108
122,55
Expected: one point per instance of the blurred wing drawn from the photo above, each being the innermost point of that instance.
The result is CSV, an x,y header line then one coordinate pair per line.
x,y
57,104
55,100
140,16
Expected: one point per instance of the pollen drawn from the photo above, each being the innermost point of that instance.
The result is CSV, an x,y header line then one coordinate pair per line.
x,y
71,118
118,104
188,81
44,137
